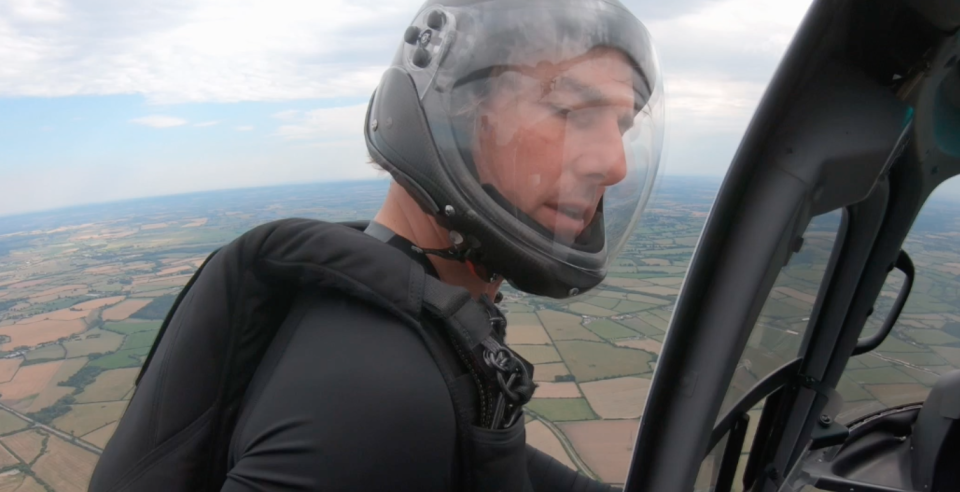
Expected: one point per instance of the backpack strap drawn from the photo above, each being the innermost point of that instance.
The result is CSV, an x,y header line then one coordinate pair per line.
x,y
504,380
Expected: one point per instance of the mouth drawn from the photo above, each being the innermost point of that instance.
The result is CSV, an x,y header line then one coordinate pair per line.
x,y
566,220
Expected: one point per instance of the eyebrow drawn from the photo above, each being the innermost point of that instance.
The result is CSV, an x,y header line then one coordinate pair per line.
x,y
588,94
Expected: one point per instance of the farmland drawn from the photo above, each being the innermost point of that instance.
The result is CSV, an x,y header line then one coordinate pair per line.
x,y
83,293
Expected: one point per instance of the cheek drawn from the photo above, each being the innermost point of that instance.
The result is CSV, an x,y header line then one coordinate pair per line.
x,y
527,163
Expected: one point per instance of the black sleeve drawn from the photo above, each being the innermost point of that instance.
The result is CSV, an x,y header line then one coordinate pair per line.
x,y
347,398
548,474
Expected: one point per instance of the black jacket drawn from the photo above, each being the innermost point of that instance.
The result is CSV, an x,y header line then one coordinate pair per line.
x,y
304,356
347,398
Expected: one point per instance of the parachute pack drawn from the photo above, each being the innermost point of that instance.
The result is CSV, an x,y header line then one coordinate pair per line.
x,y
176,431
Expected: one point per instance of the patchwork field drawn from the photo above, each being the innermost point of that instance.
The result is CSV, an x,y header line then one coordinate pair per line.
x,y
87,417
620,398
26,445
605,445
590,361
542,438
123,310
65,467
110,385
40,332
101,436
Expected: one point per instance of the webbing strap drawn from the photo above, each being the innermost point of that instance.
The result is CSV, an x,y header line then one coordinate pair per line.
x,y
453,305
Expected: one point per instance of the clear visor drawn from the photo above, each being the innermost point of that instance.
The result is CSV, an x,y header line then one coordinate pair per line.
x,y
550,113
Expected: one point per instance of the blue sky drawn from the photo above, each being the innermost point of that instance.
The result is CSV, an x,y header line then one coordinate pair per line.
x,y
112,99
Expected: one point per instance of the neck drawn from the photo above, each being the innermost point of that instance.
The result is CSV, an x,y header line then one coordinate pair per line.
x,y
401,214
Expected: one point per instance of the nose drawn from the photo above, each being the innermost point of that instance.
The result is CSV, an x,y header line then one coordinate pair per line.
x,y
600,156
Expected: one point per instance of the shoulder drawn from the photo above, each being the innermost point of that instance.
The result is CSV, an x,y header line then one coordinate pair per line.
x,y
345,384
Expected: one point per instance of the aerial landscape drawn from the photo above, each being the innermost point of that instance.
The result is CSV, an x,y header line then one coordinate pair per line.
x,y
83,292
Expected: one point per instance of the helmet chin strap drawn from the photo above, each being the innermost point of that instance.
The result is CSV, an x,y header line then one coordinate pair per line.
x,y
466,256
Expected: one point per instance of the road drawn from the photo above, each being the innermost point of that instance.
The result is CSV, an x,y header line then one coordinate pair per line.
x,y
59,433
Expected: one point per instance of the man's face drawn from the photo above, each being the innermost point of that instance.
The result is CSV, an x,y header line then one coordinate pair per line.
x,y
550,137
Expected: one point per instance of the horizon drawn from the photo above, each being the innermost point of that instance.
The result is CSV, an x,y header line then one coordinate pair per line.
x,y
102,103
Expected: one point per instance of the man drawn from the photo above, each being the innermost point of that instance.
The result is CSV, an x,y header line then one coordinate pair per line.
x,y
506,124
523,137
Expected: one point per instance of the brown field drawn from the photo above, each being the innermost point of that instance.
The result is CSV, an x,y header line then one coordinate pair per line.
x,y
562,326
605,445
548,372
647,299
540,437
101,436
34,334
26,444
57,290
31,485
153,280
525,328
54,297
150,227
626,282
94,341
893,395
7,459
658,290
197,223
65,467
557,390
537,354
10,481
123,310
46,398
103,270
175,269
655,262
27,284
109,385
29,381
646,344
8,367
796,294
53,392
87,417
527,335
621,398
97,303
60,315
590,309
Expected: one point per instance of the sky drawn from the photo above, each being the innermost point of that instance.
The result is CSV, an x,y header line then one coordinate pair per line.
x,y
112,99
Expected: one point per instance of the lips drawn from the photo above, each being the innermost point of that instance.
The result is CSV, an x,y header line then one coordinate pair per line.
x,y
566,220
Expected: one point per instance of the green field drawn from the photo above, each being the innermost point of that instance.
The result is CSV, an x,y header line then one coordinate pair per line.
x,y
562,409
128,327
10,423
139,339
122,358
49,352
537,354
590,361
610,330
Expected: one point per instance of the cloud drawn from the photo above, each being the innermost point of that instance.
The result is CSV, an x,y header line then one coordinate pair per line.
x,y
159,121
289,114
327,124
207,123
213,50
245,128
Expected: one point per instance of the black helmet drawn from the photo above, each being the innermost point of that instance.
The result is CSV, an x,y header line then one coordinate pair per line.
x,y
531,129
